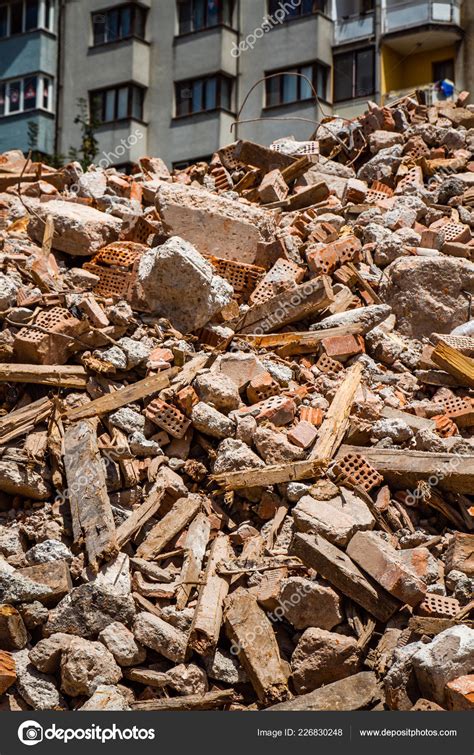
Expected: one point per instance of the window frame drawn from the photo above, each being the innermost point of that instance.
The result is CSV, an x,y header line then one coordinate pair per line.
x,y
103,91
41,78
135,8
206,27
219,77
42,18
305,14
316,65
354,54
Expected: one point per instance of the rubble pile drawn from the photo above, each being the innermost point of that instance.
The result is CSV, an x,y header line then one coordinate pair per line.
x,y
236,427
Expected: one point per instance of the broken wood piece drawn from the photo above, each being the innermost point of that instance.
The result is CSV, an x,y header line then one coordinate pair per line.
x,y
112,401
181,513
207,619
253,641
62,376
7,671
404,468
208,701
195,547
91,511
453,361
23,420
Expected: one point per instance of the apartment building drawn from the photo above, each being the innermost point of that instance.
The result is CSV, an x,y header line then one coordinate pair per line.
x,y
180,78
28,74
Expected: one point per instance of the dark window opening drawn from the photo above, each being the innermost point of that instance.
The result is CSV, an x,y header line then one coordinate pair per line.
x,y
117,103
202,95
443,69
294,10
119,23
294,85
354,74
195,15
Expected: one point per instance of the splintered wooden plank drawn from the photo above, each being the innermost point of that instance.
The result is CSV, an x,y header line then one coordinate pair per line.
x,y
140,516
338,569
63,376
181,513
453,361
253,641
336,420
112,401
404,468
21,421
330,436
207,618
195,547
289,306
207,701
91,511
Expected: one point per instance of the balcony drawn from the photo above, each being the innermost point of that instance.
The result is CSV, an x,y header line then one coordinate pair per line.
x,y
431,92
353,28
403,16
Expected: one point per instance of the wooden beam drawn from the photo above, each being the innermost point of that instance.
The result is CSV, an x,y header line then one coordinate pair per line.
x,y
62,376
452,361
112,401
208,701
195,548
207,619
180,514
252,635
287,344
404,469
23,420
91,512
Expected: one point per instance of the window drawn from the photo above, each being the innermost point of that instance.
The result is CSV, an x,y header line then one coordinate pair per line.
x,y
201,95
26,15
30,93
119,23
194,15
117,103
354,74
294,10
287,87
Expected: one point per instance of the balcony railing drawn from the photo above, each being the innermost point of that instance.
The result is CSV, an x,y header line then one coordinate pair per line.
x,y
406,15
355,27
431,91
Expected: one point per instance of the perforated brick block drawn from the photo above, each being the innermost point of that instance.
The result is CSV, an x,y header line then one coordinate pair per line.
x,y
116,265
322,261
242,276
327,364
323,233
416,147
355,470
167,417
456,233
439,606
50,348
141,231
273,187
378,191
279,410
311,414
283,272
414,177
345,276
460,410
444,426
262,386
222,179
229,160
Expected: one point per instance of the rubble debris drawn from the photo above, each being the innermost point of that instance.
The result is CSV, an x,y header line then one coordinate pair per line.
x,y
237,425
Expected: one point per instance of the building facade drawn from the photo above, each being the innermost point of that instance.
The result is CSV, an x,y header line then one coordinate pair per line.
x,y
180,78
